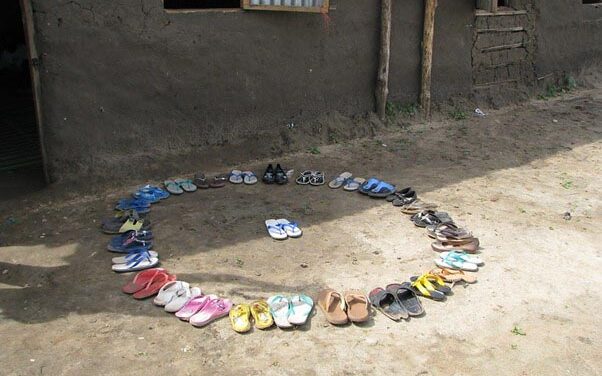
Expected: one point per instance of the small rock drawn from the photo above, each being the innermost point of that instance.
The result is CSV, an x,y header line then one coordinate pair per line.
x,y
376,252
258,274
5,271
566,216
304,265
555,121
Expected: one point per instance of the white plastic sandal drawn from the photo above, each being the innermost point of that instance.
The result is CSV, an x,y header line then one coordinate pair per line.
x,y
141,261
275,230
181,297
167,292
291,228
301,307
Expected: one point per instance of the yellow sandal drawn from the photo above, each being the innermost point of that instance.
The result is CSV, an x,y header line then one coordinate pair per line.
x,y
240,318
261,314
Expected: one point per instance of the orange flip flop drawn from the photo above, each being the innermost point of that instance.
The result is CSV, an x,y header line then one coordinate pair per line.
x,y
333,306
358,306
154,285
141,280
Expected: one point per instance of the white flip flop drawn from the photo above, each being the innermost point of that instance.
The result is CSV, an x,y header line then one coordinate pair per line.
x,y
274,229
167,292
455,261
236,177
280,308
125,259
139,262
249,177
301,307
181,297
291,228
354,184
464,256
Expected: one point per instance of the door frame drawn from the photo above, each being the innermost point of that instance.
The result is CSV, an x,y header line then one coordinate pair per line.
x,y
34,70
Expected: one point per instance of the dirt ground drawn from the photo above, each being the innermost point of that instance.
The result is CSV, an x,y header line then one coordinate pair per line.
x,y
509,177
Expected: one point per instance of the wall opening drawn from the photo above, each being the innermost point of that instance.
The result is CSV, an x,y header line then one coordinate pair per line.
x,y
21,165
201,4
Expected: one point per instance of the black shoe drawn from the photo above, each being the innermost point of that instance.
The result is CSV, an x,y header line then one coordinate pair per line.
x,y
281,177
268,175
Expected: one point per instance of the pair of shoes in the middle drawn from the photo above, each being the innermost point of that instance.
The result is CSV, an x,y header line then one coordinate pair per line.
x,y
275,175
281,229
240,316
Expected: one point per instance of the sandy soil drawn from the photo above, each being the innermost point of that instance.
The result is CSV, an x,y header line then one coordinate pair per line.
x,y
510,177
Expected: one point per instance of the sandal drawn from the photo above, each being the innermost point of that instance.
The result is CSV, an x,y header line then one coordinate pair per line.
x,y
291,229
457,260
218,181
275,230
236,177
260,310
301,307
369,185
430,217
399,194
417,206
407,298
340,180
280,176
132,253
141,280
280,308
304,178
200,180
139,261
333,305
470,246
154,285
382,190
249,177
358,308
423,287
193,306
151,193
317,178
125,242
269,175
453,276
240,317
211,311
388,304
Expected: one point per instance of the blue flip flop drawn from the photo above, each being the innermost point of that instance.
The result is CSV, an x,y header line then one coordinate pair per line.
x,y
368,186
382,190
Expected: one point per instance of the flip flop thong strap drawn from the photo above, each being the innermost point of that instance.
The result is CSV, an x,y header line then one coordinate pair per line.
x,y
276,227
292,225
137,259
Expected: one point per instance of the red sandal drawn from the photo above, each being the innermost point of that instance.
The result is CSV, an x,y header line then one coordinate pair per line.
x,y
153,286
141,280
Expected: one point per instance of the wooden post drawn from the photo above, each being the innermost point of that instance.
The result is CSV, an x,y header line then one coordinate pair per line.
x,y
382,81
427,55
34,60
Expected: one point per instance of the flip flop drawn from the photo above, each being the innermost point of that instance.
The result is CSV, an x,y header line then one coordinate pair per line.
x,y
280,177
132,253
417,206
275,230
140,261
354,185
124,243
407,298
193,306
213,310
437,282
167,293
280,308
400,194
430,217
340,180
240,316
358,308
453,260
260,310
186,185
471,246
173,187
333,305
130,225
382,190
387,304
462,255
249,177
200,180
218,181
368,186
448,229
182,296
154,286
453,276
151,193
269,176
141,280
423,287
291,228
236,177
300,309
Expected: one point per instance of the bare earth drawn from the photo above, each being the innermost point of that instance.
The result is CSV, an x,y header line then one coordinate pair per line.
x,y
509,177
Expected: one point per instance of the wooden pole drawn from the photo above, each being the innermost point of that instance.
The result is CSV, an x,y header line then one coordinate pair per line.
x,y
427,55
382,81
34,62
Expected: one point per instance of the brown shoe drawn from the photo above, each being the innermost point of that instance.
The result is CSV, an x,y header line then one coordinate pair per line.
x,y
358,306
333,306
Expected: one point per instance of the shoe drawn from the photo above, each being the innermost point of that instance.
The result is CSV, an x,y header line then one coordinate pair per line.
x,y
281,176
268,175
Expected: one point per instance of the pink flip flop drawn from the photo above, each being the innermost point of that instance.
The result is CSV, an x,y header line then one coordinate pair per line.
x,y
214,309
193,306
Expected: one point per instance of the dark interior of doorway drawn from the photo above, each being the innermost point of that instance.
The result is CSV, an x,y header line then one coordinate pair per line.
x,y
21,167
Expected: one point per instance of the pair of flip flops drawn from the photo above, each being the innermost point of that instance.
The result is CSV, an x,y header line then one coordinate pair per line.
x,y
239,177
174,295
290,311
430,217
204,309
151,193
179,186
459,260
310,177
141,205
429,286
453,276
376,188
347,181
125,242
218,181
402,197
281,229
340,309
396,301
137,259
147,283
259,311
417,206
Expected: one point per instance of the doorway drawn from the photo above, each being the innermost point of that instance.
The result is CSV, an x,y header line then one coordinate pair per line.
x,y
21,162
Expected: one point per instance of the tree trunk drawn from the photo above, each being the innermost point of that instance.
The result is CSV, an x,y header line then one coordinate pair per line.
x,y
427,55
382,83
